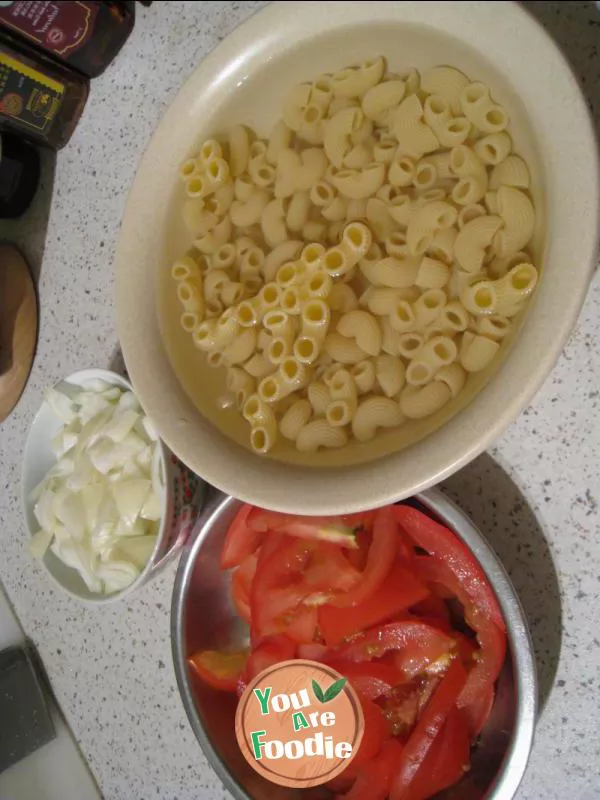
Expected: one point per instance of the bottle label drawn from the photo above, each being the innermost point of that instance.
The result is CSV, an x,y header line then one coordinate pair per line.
x,y
59,27
27,95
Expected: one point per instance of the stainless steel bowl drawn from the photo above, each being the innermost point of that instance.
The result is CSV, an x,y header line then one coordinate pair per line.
x,y
202,617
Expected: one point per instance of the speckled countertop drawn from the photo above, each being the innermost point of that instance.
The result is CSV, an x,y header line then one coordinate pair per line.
x,y
535,495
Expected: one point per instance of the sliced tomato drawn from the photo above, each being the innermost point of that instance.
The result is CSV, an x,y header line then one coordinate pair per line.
x,y
375,778
240,540
334,530
417,645
313,651
302,626
371,680
241,585
376,733
444,545
478,694
477,697
380,560
427,730
399,590
358,558
447,760
270,651
403,704
219,670
292,574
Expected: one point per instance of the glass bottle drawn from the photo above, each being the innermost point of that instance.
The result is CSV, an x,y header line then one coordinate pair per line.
x,y
39,99
85,35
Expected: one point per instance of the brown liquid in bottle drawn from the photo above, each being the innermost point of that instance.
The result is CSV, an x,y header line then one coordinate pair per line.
x,y
85,35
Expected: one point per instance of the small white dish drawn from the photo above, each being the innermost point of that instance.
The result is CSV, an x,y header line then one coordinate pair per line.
x,y
181,502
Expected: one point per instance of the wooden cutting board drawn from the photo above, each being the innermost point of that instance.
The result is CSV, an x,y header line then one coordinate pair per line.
x,y
18,326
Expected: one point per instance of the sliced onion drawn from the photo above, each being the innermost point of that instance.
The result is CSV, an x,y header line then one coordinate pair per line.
x,y
99,506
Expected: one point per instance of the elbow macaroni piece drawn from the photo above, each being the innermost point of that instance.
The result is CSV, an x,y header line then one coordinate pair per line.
x,y
319,433
294,419
375,412
403,191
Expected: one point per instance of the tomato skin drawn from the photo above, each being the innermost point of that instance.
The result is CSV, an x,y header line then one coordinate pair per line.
x,y
416,645
446,761
219,670
240,540
380,560
445,546
370,680
374,779
477,696
426,731
399,590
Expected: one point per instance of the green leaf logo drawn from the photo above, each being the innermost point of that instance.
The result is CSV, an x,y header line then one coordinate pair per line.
x,y
331,693
318,692
335,689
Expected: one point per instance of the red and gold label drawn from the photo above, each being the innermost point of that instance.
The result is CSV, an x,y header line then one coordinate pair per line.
x,y
59,27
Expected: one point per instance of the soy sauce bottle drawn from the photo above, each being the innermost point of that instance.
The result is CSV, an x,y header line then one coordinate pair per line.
x,y
39,99
85,35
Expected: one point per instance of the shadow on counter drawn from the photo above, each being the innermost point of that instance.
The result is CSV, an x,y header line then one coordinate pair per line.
x,y
498,508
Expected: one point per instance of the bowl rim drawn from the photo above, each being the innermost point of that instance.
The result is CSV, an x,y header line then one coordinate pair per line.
x,y
78,378
520,644
472,429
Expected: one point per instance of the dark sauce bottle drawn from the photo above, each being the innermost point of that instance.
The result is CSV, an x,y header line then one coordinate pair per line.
x,y
84,35
39,99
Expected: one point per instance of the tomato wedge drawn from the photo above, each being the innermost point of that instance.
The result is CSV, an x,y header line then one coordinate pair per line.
x,y
292,574
240,541
445,546
447,760
417,645
426,730
375,778
370,680
219,670
399,590
478,694
381,559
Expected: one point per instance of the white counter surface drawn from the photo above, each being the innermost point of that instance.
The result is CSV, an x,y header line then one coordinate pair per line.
x,y
536,495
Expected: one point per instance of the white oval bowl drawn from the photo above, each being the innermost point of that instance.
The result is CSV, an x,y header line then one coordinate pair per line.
x,y
177,516
245,80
